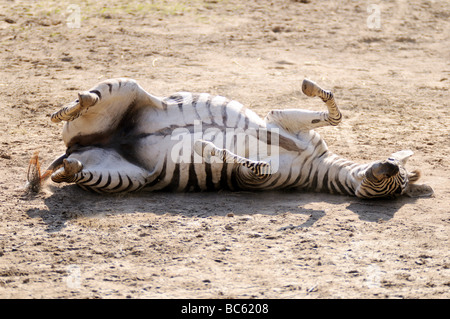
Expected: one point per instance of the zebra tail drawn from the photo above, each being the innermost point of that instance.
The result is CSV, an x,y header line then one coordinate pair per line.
x,y
35,180
55,165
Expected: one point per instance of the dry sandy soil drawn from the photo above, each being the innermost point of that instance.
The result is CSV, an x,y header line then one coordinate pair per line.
x,y
391,81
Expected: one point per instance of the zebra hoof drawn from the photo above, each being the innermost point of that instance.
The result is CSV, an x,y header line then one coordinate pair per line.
x,y
67,172
198,147
72,166
310,88
74,109
204,149
87,99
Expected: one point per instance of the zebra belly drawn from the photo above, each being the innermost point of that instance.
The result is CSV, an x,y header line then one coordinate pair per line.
x,y
161,144
176,167
182,177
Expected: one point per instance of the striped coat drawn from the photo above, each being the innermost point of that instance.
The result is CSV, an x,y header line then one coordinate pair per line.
x,y
120,138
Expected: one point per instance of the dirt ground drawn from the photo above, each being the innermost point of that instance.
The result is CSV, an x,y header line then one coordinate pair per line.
x,y
388,63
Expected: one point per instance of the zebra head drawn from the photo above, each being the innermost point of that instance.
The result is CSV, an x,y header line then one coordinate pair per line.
x,y
389,178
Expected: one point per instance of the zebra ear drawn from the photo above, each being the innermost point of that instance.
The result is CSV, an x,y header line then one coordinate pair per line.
x,y
414,190
402,156
414,176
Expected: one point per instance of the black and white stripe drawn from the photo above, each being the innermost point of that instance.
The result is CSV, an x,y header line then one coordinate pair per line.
x,y
133,146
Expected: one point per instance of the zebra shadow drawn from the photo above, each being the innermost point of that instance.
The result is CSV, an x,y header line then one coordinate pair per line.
x,y
375,210
71,202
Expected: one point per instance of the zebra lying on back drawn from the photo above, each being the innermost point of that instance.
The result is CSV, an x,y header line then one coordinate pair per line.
x,y
120,138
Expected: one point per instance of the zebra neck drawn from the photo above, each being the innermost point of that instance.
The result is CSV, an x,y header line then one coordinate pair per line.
x,y
336,175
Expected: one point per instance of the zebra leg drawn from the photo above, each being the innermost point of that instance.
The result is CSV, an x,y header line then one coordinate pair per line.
x,y
101,170
110,181
75,109
207,149
121,91
68,172
311,89
296,121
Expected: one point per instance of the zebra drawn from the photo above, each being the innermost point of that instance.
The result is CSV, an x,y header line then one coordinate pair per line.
x,y
119,138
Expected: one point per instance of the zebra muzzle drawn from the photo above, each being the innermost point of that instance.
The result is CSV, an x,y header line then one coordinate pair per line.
x,y
384,169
